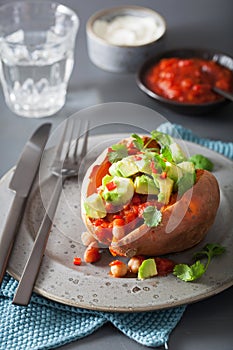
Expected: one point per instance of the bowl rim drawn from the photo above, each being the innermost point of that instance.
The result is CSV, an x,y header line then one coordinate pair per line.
x,y
121,10
168,53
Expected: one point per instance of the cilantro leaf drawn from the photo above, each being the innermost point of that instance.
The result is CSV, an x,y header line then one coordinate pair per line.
x,y
138,141
118,152
162,138
210,250
152,216
189,273
201,162
166,153
160,163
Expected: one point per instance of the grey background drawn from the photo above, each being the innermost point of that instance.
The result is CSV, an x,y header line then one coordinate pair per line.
x,y
201,24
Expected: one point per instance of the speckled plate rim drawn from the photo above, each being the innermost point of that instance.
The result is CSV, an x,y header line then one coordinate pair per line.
x,y
67,285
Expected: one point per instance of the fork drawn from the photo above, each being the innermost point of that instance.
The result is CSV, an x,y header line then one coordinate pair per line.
x,y
65,165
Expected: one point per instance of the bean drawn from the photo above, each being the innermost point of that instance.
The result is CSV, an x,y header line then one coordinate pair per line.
x,y
87,238
118,268
135,262
92,253
118,232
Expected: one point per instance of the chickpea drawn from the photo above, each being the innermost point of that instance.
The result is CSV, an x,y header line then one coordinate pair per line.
x,y
92,253
118,268
118,232
87,238
135,262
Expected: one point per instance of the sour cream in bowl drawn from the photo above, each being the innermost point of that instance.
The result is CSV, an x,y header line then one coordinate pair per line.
x,y
120,39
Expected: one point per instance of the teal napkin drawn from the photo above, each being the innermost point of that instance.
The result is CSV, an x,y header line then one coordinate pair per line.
x,y
45,324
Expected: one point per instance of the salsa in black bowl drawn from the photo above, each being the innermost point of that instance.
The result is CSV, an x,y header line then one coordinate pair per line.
x,y
182,79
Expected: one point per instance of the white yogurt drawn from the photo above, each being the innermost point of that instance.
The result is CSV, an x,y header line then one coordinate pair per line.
x,y
129,30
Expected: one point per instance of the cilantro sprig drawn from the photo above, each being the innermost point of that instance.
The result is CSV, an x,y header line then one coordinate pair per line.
x,y
152,216
117,152
140,145
192,272
138,142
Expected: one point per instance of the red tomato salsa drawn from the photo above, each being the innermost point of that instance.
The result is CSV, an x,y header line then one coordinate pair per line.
x,y
188,80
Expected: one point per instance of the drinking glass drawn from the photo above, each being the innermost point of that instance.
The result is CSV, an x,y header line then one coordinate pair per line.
x,y
37,41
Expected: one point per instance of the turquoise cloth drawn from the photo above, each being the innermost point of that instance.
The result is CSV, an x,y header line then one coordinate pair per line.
x,y
45,324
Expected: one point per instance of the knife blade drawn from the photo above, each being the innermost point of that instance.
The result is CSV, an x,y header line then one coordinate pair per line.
x,y
21,183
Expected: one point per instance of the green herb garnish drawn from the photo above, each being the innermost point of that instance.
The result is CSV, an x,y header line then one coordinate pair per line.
x,y
152,216
138,142
162,138
166,153
201,162
117,153
189,273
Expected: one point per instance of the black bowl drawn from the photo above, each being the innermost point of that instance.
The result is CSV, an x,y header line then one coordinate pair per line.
x,y
182,107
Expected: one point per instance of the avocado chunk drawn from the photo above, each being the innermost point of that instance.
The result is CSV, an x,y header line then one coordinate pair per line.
x,y
145,185
125,167
188,179
165,186
147,269
118,191
185,183
94,206
173,171
143,163
187,166
178,154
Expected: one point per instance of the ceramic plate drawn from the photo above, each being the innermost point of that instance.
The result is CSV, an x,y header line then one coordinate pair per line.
x,y
90,286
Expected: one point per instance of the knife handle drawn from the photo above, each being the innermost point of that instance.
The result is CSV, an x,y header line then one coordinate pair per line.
x,y
31,269
9,232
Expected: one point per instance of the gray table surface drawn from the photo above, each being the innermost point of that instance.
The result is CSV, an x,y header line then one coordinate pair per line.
x,y
200,23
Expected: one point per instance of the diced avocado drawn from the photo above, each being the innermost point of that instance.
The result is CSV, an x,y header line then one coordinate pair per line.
x,y
165,186
173,171
125,167
113,170
147,269
107,178
118,191
201,162
145,185
185,182
94,206
178,154
188,179
143,163
187,166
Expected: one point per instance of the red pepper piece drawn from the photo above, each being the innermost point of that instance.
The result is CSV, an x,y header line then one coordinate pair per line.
x,y
77,261
163,175
111,186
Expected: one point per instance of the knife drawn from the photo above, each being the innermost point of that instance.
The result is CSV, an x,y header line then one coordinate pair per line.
x,y
21,184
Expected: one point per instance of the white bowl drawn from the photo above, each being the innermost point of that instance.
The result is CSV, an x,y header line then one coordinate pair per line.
x,y
121,47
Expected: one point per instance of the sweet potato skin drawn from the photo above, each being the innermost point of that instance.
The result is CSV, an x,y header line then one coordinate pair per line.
x,y
185,222
192,216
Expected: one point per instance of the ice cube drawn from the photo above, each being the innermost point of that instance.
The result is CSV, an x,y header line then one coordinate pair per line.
x,y
52,36
16,37
40,56
21,53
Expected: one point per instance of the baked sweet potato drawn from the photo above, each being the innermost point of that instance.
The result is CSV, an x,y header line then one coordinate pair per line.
x,y
185,218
